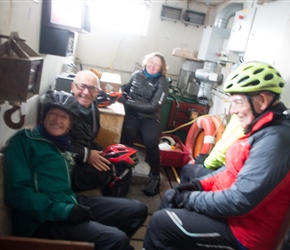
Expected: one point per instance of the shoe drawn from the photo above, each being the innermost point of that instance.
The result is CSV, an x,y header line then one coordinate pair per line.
x,y
153,186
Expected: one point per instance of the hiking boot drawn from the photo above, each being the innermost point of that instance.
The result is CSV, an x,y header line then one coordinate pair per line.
x,y
153,186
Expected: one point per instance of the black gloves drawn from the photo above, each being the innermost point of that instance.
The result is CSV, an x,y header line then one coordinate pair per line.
x,y
193,185
123,98
181,199
79,213
201,158
183,191
178,197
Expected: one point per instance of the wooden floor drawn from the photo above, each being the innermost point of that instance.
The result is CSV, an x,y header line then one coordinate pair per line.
x,y
169,179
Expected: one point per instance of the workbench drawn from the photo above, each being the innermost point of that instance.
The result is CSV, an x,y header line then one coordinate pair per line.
x,y
111,120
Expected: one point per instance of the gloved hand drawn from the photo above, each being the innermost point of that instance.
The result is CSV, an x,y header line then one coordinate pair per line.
x,y
201,158
168,199
181,199
79,213
123,98
193,185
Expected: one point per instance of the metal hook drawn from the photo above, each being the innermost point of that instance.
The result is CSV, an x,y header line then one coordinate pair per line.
x,y
7,118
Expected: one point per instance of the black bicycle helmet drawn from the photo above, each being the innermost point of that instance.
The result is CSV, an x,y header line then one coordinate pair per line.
x,y
61,100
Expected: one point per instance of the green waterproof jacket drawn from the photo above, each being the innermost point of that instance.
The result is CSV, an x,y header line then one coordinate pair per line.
x,y
36,181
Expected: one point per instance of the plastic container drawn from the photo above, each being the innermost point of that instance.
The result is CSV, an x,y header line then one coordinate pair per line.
x,y
173,158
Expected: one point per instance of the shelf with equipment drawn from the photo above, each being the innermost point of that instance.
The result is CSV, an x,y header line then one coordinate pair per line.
x,y
170,13
193,17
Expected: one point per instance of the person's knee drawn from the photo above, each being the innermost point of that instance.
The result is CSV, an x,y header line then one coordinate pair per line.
x,y
191,171
184,174
142,209
154,230
167,200
139,209
114,239
138,215
120,241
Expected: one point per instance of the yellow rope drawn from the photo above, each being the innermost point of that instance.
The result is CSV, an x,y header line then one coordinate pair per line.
x,y
139,145
175,175
179,127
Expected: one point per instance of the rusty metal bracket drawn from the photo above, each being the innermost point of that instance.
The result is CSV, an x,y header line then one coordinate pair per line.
x,y
7,118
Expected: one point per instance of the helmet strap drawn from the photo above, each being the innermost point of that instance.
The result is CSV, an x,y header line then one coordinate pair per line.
x,y
274,95
252,105
256,115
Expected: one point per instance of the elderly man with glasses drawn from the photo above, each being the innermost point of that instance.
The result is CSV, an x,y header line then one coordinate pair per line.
x,y
92,170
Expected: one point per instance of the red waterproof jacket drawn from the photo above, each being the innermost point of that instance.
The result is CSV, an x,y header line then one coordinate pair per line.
x,y
253,190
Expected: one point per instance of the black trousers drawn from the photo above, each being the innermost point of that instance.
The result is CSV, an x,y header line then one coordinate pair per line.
x,y
192,171
150,131
181,229
116,220
85,177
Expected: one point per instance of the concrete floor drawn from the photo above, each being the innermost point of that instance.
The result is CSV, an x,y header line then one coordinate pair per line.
x,y
142,168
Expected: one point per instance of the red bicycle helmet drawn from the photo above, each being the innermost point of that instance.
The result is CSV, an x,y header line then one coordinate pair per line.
x,y
119,153
123,159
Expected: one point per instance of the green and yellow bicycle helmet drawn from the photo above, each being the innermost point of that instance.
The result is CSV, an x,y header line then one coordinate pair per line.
x,y
254,77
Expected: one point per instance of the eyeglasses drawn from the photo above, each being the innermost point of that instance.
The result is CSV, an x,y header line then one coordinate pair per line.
x,y
238,101
82,87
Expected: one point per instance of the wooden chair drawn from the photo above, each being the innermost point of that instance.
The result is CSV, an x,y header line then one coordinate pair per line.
x,y
19,243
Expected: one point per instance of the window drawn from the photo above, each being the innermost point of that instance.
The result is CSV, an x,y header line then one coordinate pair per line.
x,y
126,16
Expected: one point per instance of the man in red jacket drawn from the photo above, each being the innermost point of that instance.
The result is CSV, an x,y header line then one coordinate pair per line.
x,y
243,204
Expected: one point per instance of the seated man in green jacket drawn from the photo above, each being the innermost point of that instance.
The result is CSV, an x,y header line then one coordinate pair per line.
x,y
37,187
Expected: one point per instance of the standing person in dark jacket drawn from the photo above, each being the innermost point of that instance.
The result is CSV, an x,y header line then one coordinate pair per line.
x,y
143,99
243,204
37,187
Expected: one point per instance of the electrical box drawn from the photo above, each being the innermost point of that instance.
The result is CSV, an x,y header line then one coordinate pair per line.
x,y
20,70
269,34
170,13
55,41
193,17
241,29
211,42
64,81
